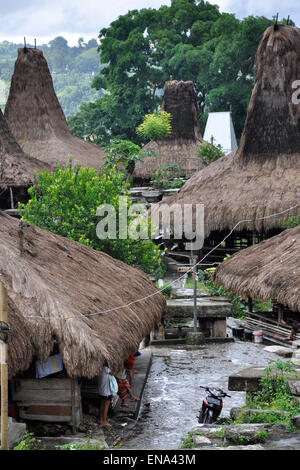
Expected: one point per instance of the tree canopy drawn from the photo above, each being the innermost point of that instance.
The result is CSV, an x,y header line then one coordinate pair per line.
x,y
188,40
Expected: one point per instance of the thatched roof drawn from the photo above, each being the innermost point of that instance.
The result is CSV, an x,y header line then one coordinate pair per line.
x,y
54,286
36,119
268,270
16,168
262,176
182,145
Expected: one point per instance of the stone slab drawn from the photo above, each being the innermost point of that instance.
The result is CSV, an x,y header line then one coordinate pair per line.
x,y
280,350
207,307
52,443
201,440
195,337
247,380
187,293
15,432
249,433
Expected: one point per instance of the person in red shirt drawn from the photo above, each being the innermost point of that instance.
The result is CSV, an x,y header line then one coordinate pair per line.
x,y
129,366
124,390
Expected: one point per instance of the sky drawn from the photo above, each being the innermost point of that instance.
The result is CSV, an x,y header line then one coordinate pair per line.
x,y
44,20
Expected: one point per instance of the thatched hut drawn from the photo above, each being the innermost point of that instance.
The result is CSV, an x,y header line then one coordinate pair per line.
x,y
56,285
262,177
269,270
181,147
36,119
16,169
68,305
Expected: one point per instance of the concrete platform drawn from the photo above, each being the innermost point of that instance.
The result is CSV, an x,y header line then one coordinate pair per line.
x,y
186,293
207,307
248,379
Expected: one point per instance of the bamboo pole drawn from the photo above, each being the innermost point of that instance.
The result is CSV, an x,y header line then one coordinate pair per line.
x,y
4,371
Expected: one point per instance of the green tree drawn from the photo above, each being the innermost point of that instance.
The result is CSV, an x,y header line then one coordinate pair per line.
x,y
189,40
66,203
124,153
156,127
208,153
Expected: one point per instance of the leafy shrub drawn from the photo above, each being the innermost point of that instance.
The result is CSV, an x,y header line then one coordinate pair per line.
x,y
274,397
208,153
28,442
291,222
123,153
166,290
65,202
167,177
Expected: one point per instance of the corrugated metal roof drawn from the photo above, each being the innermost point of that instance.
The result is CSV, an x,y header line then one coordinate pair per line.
x,y
219,126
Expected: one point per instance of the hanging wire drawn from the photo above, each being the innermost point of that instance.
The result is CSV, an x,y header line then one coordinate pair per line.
x,y
171,283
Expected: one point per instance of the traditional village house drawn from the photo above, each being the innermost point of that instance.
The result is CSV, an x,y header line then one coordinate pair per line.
x,y
16,169
181,147
36,119
261,177
64,302
267,271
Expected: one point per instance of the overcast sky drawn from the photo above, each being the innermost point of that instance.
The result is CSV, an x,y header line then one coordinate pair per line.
x,y
46,19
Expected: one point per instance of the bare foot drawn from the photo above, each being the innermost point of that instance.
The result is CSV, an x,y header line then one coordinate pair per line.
x,y
124,404
134,399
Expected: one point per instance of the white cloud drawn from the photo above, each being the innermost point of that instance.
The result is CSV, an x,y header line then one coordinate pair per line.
x,y
46,19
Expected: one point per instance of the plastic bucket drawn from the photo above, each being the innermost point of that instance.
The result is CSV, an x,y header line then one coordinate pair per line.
x,y
258,336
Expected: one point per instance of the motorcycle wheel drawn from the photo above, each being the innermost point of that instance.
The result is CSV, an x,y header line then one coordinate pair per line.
x,y
210,417
201,417
207,417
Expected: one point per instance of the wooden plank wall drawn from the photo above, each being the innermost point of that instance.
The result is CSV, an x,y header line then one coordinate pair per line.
x,y
48,399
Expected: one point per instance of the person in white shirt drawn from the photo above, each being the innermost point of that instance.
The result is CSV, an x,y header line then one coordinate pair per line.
x,y
105,395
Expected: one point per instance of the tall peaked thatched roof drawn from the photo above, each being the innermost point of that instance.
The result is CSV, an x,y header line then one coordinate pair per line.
x,y
268,270
181,147
16,168
262,176
54,284
36,119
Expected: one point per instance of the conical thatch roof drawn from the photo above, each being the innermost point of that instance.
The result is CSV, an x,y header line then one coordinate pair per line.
x,y
57,283
36,119
262,176
182,145
268,270
16,168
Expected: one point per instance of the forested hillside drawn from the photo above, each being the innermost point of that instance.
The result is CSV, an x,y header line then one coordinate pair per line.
x,y
72,69
105,92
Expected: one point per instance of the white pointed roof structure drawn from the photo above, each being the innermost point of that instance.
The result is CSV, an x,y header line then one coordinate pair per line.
x,y
219,130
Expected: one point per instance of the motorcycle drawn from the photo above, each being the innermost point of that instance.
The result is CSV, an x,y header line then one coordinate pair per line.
x,y
212,405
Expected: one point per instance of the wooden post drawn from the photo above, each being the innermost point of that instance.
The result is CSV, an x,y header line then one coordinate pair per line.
x,y
73,405
4,371
280,314
194,262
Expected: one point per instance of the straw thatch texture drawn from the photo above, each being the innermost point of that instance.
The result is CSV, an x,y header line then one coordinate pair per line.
x,y
16,168
36,119
262,176
268,270
182,145
59,282
273,119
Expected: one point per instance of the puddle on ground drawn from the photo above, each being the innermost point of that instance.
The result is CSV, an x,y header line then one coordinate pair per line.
x,y
172,397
